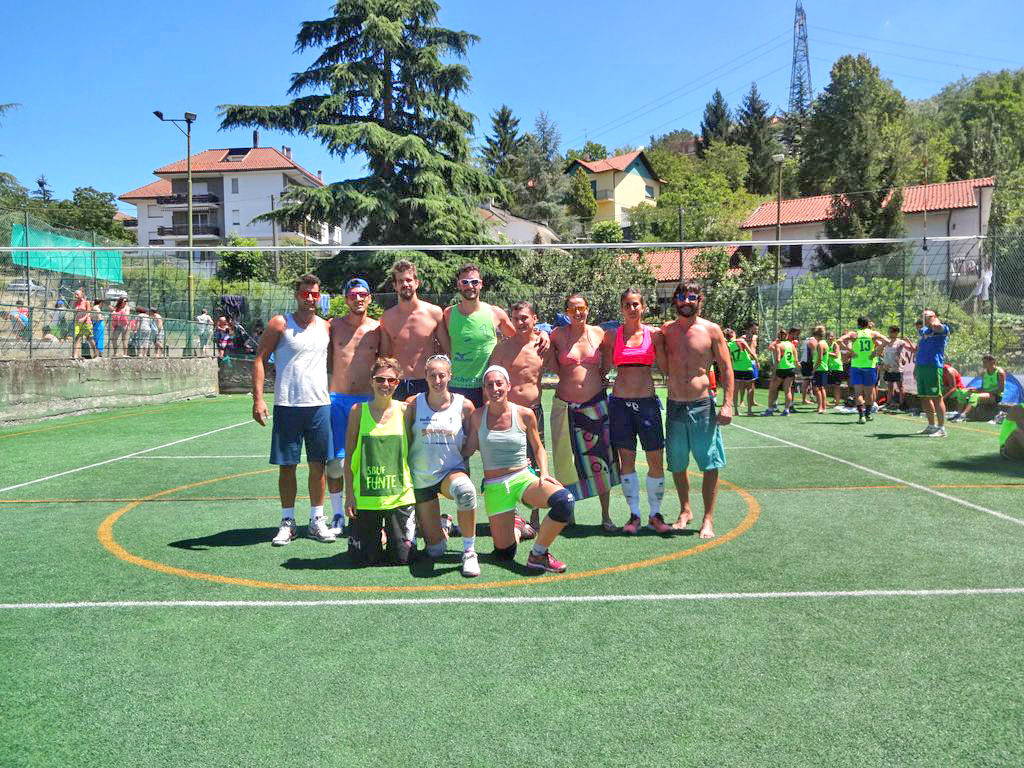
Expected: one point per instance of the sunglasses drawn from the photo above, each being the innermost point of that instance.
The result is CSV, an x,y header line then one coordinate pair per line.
x,y
691,297
470,281
358,295
387,380
578,310
309,294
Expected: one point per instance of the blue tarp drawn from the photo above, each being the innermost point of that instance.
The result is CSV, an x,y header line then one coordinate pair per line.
x,y
1011,393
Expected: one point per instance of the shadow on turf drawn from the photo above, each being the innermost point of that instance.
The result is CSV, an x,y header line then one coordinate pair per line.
x,y
236,537
986,463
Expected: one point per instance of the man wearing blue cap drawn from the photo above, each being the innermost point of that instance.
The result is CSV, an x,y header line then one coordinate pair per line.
x,y
355,345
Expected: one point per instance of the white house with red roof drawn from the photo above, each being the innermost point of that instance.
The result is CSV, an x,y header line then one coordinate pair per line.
x,y
230,188
948,209
619,183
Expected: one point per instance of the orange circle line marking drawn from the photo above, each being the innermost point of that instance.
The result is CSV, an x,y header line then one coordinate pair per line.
x,y
105,534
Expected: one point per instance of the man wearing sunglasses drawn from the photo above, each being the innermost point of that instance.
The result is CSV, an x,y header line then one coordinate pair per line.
x,y
410,331
685,350
302,405
468,334
355,345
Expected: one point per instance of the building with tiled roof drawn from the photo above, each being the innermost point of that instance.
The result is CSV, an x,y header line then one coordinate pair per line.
x,y
619,183
665,266
230,189
947,209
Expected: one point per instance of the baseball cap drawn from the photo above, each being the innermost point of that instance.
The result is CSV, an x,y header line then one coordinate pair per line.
x,y
356,282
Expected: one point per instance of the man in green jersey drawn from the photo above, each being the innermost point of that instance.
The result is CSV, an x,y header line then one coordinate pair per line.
x,y
784,353
469,335
820,357
742,367
1011,436
993,382
863,345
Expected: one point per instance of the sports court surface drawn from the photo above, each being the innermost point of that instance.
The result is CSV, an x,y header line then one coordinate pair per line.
x,y
863,604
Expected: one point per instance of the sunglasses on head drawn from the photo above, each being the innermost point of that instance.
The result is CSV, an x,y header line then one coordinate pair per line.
x,y
473,281
385,379
310,294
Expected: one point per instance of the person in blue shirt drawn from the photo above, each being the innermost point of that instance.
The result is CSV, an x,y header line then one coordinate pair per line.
x,y
931,354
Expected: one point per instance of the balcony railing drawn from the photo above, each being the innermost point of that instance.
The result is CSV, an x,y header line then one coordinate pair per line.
x,y
183,199
603,194
181,230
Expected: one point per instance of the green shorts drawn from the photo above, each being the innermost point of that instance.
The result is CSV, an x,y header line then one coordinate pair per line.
x,y
929,380
503,494
692,427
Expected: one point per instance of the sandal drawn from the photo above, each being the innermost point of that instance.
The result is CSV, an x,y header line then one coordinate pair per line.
x,y
609,527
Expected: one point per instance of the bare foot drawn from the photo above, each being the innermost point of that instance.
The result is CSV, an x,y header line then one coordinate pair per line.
x,y
706,531
683,520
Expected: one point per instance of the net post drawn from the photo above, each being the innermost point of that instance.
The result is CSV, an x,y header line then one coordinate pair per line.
x,y
992,299
28,273
903,289
95,289
839,320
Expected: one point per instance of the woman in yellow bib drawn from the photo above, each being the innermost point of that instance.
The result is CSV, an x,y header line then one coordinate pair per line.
x,y
378,484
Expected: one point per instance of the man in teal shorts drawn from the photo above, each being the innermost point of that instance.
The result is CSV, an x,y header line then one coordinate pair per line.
x,y
931,354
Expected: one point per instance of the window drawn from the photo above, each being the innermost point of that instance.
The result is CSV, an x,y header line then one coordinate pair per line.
x,y
154,212
593,188
234,186
794,256
649,191
236,218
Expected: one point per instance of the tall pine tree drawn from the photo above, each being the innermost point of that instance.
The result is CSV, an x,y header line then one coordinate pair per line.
x,y
754,131
503,145
380,88
717,123
540,185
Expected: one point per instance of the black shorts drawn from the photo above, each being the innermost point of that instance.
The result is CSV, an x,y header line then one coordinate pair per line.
x,y
893,376
821,378
475,395
806,369
836,377
784,373
364,536
743,376
408,387
636,417
538,411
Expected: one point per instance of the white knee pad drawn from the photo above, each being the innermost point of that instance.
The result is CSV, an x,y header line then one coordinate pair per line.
x,y
335,469
464,493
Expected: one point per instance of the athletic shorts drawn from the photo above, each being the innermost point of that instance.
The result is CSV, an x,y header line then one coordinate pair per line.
x,y
893,377
743,375
364,536
692,427
538,411
863,377
784,373
431,492
475,395
636,417
294,425
83,329
821,378
929,380
409,387
836,377
806,369
341,407
757,372
503,494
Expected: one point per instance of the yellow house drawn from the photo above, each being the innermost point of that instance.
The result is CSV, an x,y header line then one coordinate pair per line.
x,y
620,183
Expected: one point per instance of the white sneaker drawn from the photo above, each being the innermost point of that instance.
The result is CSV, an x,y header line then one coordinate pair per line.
x,y
337,526
927,430
938,432
470,564
318,531
285,533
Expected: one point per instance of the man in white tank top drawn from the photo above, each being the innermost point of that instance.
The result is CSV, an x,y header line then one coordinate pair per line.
x,y
302,405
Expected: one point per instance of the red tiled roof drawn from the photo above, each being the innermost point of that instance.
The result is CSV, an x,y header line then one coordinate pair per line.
x,y
156,188
916,199
121,216
255,159
665,264
616,163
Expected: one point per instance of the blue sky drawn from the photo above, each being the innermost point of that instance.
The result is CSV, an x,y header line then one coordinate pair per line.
x,y
88,79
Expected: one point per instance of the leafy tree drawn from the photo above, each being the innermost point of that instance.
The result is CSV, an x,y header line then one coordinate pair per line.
x,y
591,151
540,184
729,160
380,88
242,264
606,232
680,141
717,123
581,196
931,150
502,147
754,131
88,210
43,190
731,291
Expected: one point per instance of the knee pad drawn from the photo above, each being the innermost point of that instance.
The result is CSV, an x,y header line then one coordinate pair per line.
x,y
562,504
464,493
505,553
335,469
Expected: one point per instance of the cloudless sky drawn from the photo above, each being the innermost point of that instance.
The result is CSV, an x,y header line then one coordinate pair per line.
x,y
89,75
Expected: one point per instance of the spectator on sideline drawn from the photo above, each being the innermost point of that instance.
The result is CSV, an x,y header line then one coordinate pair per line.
x,y
99,327
157,321
222,335
143,332
83,323
205,323
893,372
302,405
993,382
48,337
120,323
931,354
954,393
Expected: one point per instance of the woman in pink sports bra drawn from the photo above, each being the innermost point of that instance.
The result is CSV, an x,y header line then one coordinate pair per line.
x,y
635,411
584,461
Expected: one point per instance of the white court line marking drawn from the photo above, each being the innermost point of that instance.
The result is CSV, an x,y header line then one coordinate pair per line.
x,y
891,478
121,458
756,447
249,456
404,602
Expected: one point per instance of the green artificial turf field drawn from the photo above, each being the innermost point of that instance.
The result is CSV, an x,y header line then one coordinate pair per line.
x,y
841,617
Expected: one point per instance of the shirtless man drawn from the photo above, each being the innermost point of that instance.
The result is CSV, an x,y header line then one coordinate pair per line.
x,y
411,331
467,335
685,350
519,356
355,345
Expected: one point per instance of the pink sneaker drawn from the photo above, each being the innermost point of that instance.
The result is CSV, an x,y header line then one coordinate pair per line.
x,y
545,562
657,523
633,525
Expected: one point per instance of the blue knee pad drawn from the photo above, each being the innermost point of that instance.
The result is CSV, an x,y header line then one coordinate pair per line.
x,y
562,504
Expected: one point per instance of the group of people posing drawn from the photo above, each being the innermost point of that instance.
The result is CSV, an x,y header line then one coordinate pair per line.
x,y
391,410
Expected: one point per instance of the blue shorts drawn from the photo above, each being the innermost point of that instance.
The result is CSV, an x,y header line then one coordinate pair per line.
x,y
692,427
475,395
341,406
821,378
295,424
863,377
636,417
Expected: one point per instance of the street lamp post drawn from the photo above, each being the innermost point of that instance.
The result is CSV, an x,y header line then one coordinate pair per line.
x,y
188,119
778,159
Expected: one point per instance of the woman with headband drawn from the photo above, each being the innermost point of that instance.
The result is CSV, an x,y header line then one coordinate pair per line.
x,y
436,422
501,430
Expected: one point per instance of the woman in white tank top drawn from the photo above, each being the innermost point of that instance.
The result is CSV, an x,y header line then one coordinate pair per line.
x,y
436,424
